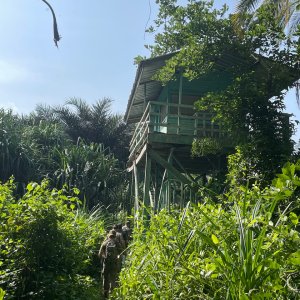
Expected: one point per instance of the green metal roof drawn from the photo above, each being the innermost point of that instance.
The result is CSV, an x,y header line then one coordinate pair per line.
x,y
146,69
214,80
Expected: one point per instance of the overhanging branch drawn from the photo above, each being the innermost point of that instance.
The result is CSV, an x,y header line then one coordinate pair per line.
x,y
56,36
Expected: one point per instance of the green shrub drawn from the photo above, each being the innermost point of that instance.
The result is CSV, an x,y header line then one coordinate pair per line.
x,y
48,245
94,170
14,159
246,247
206,146
38,146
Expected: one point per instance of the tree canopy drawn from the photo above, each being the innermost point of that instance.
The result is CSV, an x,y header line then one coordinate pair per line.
x,y
286,13
261,58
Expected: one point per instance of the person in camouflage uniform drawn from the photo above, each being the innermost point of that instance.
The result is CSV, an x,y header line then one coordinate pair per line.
x,y
119,235
109,252
121,243
127,232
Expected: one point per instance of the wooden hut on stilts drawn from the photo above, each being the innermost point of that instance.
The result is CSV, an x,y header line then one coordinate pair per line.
x,y
163,124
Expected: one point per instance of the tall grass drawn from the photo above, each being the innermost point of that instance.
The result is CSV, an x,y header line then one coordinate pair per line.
x,y
245,247
14,159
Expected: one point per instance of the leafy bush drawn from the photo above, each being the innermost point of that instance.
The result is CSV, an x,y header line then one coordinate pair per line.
x,y
39,146
92,169
48,245
245,247
206,146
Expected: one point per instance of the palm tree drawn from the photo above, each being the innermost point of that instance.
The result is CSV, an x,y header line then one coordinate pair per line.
x,y
287,14
95,124
287,11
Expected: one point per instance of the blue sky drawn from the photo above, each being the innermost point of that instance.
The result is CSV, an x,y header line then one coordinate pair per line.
x,y
95,56
100,39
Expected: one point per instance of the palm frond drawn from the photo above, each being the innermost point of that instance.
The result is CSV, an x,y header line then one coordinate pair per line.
x,y
294,22
246,5
102,108
82,108
56,36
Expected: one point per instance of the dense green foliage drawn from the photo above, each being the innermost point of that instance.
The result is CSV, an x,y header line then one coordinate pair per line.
x,y
241,241
95,173
245,247
13,152
50,233
260,58
87,153
48,245
286,12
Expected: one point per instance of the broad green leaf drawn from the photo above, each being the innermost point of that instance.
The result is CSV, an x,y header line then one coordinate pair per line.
x,y
274,265
283,176
296,182
76,191
294,258
2,294
294,218
288,193
29,187
277,287
214,239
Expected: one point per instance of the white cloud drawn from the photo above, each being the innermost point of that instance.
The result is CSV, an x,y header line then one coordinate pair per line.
x,y
13,73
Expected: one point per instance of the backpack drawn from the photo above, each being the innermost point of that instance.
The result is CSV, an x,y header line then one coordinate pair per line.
x,y
111,252
125,234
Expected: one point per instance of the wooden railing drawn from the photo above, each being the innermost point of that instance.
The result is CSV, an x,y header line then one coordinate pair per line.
x,y
172,118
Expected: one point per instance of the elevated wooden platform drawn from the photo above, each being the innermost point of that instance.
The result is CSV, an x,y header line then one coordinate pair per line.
x,y
164,124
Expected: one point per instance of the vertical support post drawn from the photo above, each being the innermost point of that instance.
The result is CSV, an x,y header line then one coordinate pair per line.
x,y
165,174
136,190
174,194
131,192
155,184
181,195
162,183
179,102
166,117
146,190
168,194
195,125
168,99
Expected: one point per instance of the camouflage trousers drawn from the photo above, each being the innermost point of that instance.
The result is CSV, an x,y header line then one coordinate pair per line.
x,y
110,276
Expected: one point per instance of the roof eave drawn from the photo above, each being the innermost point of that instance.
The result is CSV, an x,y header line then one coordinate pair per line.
x,y
139,72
